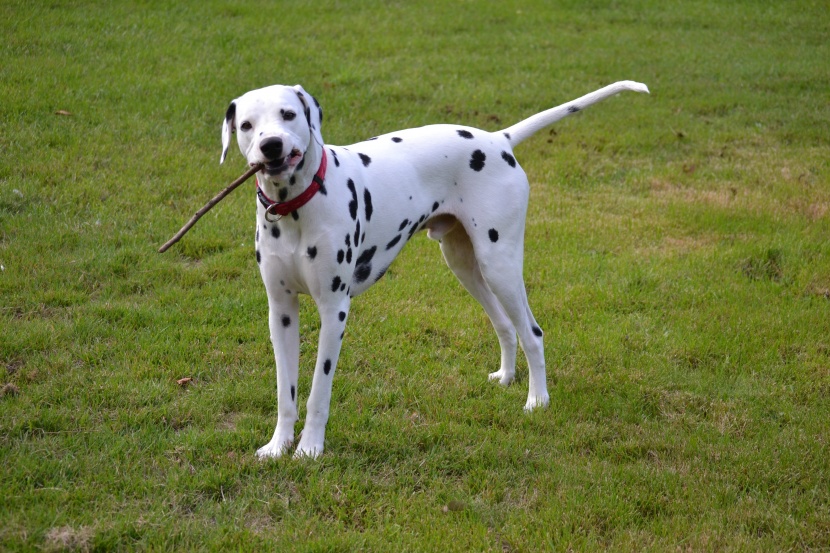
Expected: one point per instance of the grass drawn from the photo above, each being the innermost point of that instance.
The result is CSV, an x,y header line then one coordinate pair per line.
x,y
677,258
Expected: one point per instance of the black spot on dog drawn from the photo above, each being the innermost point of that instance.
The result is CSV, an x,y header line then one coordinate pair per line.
x,y
340,255
573,109
283,194
537,331
464,134
353,203
373,138
363,265
342,286
349,255
511,161
231,113
286,321
293,180
397,139
293,393
257,235
367,204
342,334
477,160
275,231
434,207
494,235
348,240
507,135
335,284
392,242
336,161
403,224
312,252
412,230
258,257
357,235
365,159
327,366
295,215
341,316
300,165
421,220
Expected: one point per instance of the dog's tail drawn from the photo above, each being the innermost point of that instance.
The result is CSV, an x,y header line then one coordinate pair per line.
x,y
527,128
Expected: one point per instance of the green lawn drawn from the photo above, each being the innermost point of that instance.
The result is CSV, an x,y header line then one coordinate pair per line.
x,y
678,259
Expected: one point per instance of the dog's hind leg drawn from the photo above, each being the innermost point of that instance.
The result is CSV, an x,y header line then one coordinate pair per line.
x,y
284,323
458,252
502,271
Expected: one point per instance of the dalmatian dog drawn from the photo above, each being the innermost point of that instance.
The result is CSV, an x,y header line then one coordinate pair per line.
x,y
331,219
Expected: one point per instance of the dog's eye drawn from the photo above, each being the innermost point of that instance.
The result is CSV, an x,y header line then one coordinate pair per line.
x,y
246,126
288,115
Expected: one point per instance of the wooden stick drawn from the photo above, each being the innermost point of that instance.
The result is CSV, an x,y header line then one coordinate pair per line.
x,y
208,206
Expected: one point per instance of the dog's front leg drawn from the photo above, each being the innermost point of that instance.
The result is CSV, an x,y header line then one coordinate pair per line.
x,y
333,316
284,323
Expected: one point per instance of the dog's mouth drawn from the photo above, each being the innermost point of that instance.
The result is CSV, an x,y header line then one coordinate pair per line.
x,y
281,165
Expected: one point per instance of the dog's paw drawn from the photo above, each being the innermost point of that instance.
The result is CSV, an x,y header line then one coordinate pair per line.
x,y
273,449
311,444
504,377
535,402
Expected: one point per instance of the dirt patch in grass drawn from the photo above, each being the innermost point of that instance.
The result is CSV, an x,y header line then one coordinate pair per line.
x,y
66,538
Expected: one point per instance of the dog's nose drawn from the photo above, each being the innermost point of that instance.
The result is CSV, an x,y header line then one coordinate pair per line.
x,y
271,148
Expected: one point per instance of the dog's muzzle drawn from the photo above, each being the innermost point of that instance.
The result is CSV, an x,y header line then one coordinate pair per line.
x,y
275,159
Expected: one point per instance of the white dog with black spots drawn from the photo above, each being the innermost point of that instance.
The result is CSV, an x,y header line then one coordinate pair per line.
x,y
331,219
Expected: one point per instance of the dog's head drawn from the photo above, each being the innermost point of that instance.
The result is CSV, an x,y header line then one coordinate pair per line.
x,y
276,126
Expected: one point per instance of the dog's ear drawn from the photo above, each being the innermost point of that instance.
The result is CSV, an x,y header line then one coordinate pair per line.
x,y
228,128
313,113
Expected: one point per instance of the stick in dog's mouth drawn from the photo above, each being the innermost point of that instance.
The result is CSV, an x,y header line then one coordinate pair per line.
x,y
215,200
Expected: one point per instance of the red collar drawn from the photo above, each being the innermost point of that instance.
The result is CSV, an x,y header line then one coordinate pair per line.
x,y
284,208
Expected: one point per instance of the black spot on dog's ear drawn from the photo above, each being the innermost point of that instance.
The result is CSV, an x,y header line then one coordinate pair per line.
x,y
367,204
231,112
494,235
477,160
464,134
392,242
312,251
511,161
365,159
